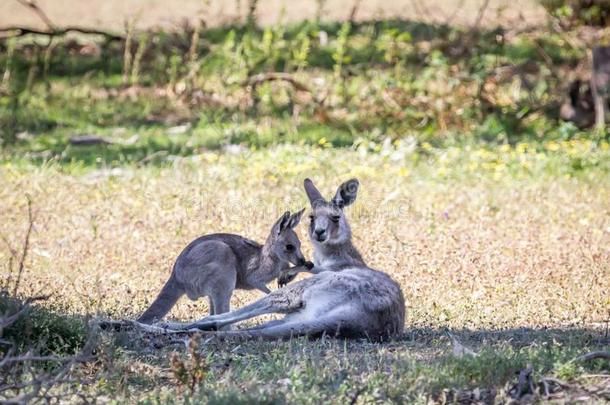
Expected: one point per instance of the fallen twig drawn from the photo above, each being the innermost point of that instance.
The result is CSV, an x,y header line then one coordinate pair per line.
x,y
14,32
525,384
258,79
52,30
89,140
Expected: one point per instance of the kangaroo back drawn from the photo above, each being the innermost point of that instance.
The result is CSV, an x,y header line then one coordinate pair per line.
x,y
169,295
214,265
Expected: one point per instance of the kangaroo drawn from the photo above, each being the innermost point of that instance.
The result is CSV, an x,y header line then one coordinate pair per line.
x,y
214,265
344,298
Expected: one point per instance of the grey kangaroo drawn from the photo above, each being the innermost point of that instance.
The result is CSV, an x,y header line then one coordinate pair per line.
x,y
346,298
214,265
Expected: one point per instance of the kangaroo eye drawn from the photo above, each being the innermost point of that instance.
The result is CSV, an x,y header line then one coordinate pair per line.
x,y
335,218
289,248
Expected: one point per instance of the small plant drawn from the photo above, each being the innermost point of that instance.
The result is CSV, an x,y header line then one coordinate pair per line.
x,y
189,372
340,56
301,50
394,45
137,59
568,370
579,12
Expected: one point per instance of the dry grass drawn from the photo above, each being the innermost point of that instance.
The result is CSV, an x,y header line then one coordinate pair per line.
x,y
481,252
114,13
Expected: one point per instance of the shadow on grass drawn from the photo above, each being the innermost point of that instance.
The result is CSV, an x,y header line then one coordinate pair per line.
x,y
516,337
42,329
421,362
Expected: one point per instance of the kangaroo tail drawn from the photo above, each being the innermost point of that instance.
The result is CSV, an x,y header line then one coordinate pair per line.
x,y
273,332
170,293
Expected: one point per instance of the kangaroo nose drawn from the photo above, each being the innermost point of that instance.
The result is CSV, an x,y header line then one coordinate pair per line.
x,y
320,232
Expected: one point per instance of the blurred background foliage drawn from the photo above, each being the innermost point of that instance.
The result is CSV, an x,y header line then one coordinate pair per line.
x,y
579,12
144,95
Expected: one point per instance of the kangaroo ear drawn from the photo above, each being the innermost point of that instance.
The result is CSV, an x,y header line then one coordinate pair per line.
x,y
312,193
346,193
295,218
281,223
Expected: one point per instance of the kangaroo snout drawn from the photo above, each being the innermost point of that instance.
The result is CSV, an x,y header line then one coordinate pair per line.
x,y
320,234
305,263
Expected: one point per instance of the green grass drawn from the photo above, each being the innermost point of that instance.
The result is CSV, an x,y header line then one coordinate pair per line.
x,y
416,369
470,233
370,80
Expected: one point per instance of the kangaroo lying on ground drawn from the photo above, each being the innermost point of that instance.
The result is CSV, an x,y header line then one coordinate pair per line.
x,y
346,298
214,265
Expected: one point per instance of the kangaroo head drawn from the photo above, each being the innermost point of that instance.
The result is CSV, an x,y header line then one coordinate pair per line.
x,y
283,240
328,222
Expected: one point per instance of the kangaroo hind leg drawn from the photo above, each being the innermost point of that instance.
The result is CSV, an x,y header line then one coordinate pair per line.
x,y
222,304
276,302
286,329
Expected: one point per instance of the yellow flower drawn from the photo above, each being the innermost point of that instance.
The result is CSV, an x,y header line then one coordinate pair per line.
x,y
552,146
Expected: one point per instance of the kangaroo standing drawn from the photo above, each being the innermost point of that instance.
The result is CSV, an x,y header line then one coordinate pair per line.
x,y
214,265
345,299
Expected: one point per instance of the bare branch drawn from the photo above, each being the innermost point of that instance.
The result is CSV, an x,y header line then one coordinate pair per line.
x,y
13,32
23,359
11,319
480,14
354,11
38,386
32,5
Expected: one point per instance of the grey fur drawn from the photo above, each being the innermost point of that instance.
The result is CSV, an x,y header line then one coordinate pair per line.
x,y
345,299
214,265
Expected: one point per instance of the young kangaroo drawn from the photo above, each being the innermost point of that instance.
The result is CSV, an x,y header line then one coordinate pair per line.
x,y
214,265
346,298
